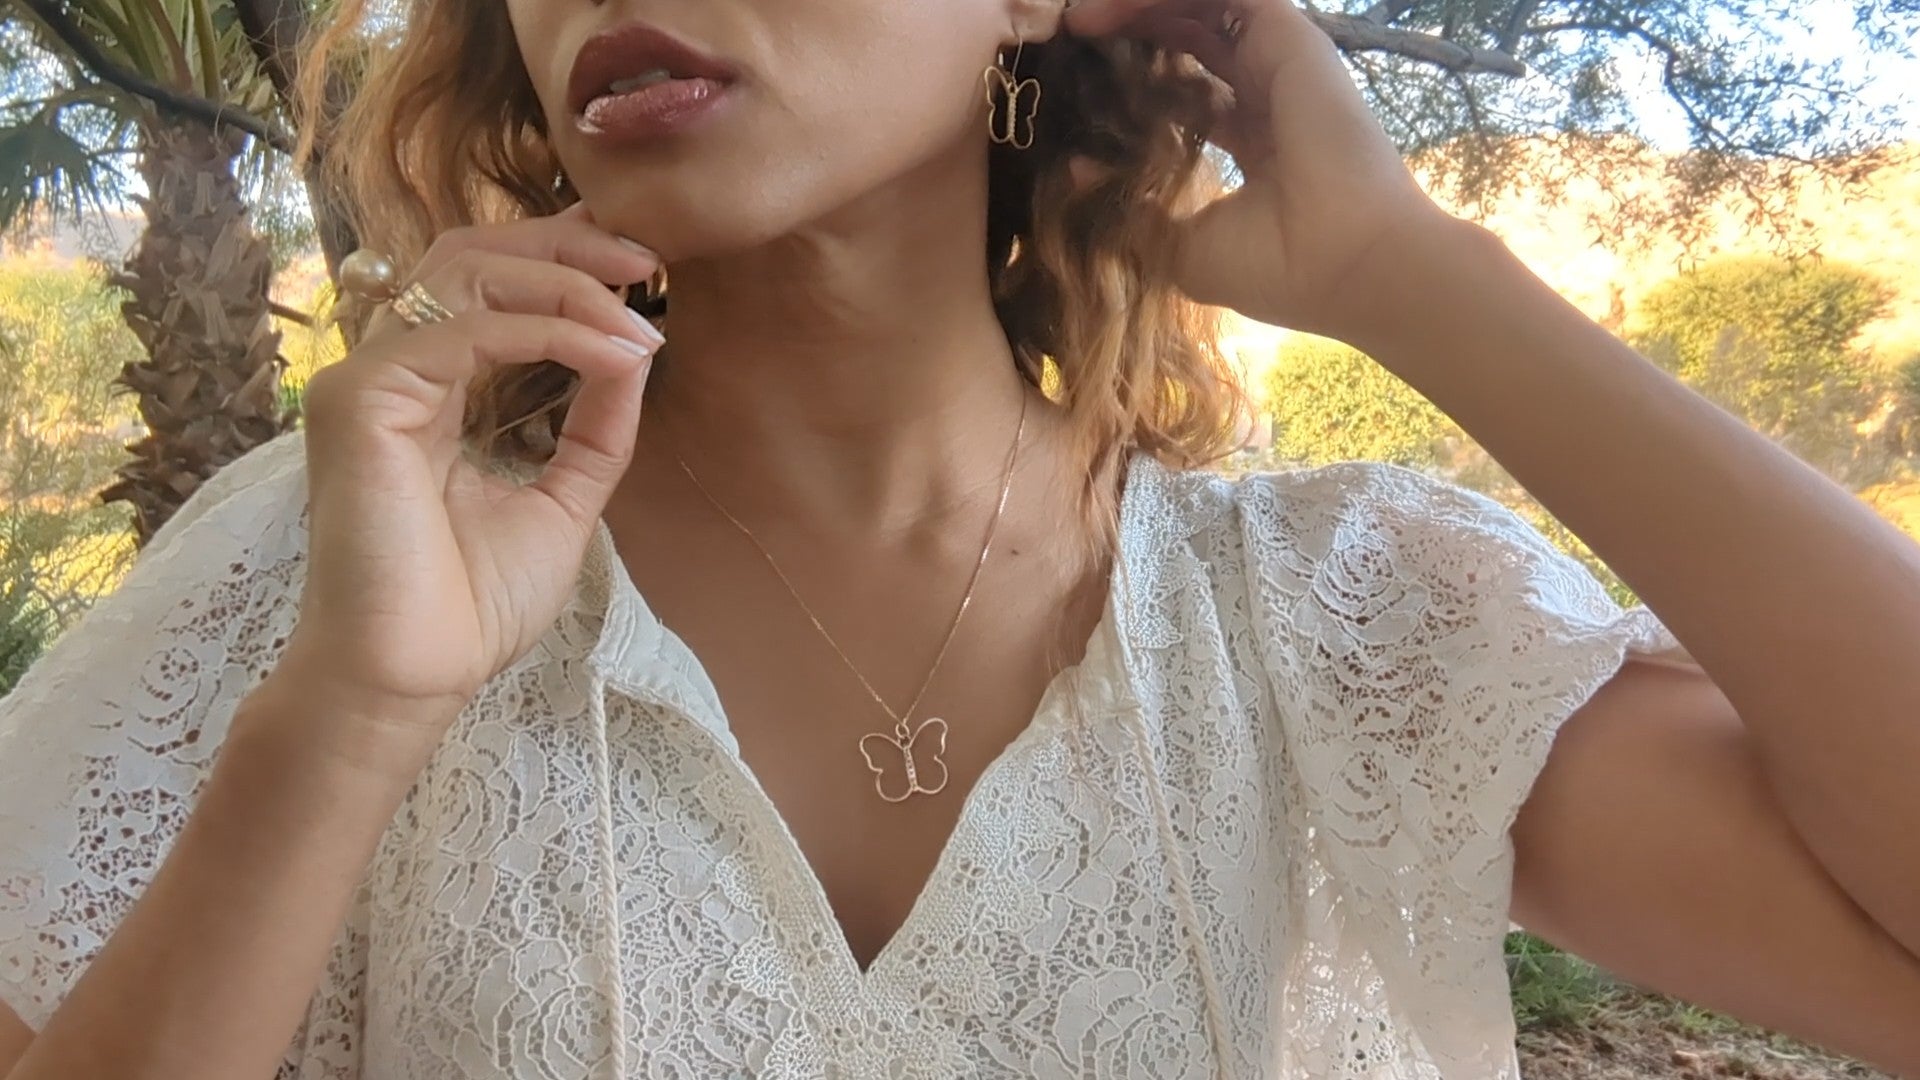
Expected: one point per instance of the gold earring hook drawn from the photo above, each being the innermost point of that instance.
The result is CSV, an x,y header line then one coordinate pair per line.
x,y
1019,50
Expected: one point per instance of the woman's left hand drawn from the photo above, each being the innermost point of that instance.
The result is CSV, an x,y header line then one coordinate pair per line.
x,y
1326,191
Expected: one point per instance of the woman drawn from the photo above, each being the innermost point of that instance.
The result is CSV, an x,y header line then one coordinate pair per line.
x,y
989,737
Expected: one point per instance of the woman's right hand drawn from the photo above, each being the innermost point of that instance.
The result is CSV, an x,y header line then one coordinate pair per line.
x,y
427,576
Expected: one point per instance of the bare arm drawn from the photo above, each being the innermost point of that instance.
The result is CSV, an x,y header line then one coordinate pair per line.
x,y
211,972
1653,846
1800,602
14,1037
1801,606
425,576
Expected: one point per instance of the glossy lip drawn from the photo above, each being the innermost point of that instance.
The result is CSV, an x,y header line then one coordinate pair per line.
x,y
632,49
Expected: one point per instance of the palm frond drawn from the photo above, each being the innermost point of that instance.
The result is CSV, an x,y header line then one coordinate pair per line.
x,y
129,37
208,42
44,168
159,24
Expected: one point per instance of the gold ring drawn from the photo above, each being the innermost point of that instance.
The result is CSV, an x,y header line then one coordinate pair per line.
x,y
416,306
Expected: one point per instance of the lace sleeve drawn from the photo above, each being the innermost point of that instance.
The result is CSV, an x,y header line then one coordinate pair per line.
x,y
106,739
1424,644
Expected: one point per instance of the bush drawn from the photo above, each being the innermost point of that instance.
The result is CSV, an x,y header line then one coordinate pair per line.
x,y
1331,402
1773,343
26,626
61,430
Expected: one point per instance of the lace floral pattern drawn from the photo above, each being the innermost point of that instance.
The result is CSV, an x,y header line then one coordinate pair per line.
x,y
1260,831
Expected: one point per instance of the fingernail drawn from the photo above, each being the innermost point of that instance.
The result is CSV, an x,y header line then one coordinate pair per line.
x,y
636,245
647,329
633,346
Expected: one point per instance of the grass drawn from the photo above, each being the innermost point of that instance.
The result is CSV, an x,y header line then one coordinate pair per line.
x,y
1552,989
1576,1022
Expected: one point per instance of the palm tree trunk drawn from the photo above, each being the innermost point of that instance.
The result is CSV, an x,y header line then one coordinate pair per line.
x,y
198,301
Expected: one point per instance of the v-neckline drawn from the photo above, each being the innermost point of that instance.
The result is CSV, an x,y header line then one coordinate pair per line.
x,y
636,642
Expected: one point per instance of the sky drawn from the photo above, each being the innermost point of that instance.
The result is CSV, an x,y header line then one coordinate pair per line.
x,y
1887,81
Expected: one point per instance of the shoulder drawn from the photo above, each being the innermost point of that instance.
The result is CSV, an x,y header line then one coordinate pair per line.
x,y
1314,513
202,610
1372,554
263,487
1329,501
1321,492
207,590
116,726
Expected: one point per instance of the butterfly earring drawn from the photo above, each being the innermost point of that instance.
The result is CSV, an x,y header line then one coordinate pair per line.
x,y
1013,104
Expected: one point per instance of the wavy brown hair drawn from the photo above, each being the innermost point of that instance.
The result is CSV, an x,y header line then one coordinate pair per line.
x,y
445,130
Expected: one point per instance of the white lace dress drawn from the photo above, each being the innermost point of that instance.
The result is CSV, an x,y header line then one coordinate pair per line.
x,y
1260,831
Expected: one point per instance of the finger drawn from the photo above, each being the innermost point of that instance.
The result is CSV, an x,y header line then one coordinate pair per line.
x,y
596,443
1199,38
1197,28
1098,18
1104,17
405,382
571,239
487,279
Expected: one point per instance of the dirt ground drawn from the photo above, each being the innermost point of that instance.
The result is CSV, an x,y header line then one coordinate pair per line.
x,y
1651,1039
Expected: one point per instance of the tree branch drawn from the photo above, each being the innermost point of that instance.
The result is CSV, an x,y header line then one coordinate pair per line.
x,y
292,315
1386,11
274,29
85,50
1673,81
1355,33
1517,25
1669,70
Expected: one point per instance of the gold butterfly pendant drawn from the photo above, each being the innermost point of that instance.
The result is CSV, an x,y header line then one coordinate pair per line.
x,y
1013,107
929,741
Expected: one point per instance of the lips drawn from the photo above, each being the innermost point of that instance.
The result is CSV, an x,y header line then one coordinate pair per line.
x,y
636,57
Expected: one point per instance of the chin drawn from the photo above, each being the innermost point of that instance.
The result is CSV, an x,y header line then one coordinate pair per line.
x,y
694,221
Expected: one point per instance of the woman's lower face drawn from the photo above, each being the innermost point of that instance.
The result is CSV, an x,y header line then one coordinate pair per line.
x,y
706,128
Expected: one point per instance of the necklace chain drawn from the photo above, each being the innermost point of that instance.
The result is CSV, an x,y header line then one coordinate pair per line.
x,y
903,729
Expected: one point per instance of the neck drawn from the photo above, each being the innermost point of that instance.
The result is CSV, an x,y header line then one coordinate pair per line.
x,y
855,370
